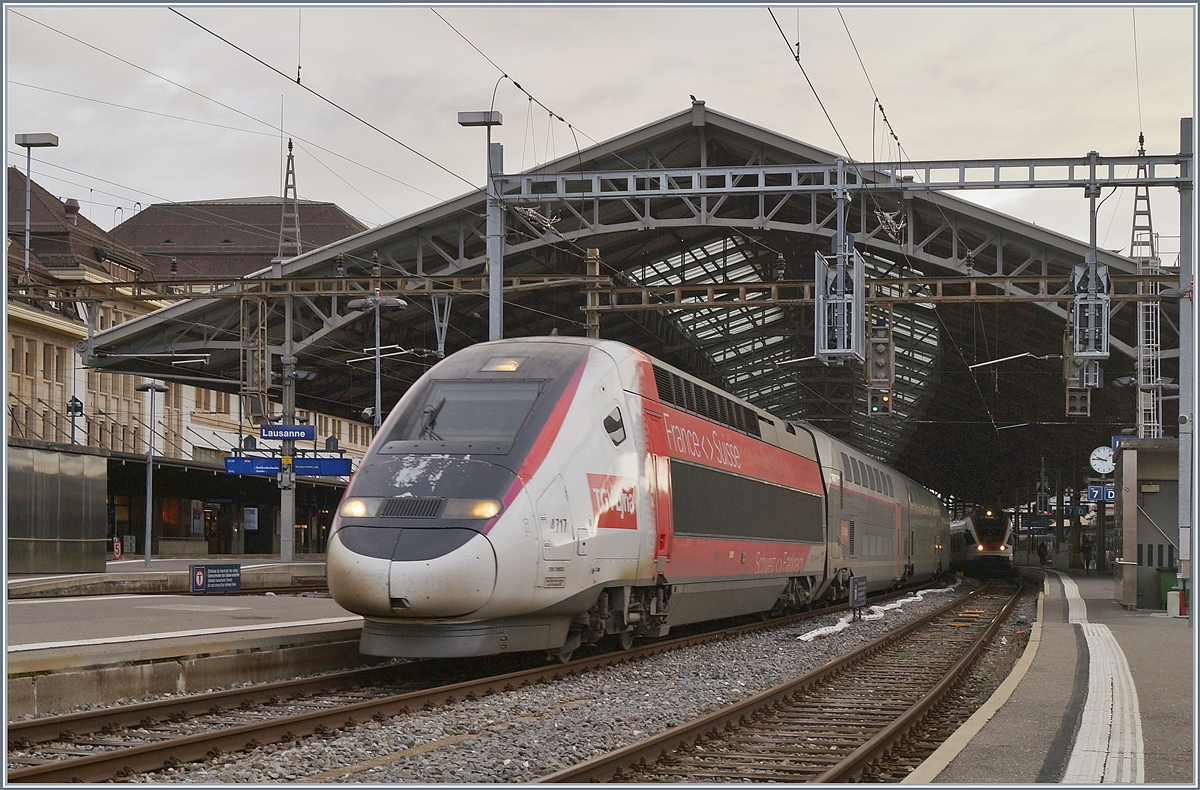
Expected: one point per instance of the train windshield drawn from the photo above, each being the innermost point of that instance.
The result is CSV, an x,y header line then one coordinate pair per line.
x,y
469,411
991,528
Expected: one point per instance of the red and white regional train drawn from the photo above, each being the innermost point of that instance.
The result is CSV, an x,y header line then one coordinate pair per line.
x,y
981,542
542,493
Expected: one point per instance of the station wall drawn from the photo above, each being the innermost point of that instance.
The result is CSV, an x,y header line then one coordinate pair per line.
x,y
57,516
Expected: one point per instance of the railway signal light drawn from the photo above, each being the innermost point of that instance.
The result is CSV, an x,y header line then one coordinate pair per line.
x,y
1079,402
879,403
881,356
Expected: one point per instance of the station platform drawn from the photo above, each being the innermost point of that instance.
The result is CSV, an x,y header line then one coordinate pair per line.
x,y
1101,694
88,639
131,575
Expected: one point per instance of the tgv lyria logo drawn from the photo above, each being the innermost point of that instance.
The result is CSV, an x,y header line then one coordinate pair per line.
x,y
613,501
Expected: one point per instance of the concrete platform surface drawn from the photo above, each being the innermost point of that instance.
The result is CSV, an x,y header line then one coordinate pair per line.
x,y
1107,696
57,633
165,575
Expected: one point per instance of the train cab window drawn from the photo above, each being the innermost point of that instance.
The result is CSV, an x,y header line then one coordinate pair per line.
x,y
856,465
472,411
615,426
846,467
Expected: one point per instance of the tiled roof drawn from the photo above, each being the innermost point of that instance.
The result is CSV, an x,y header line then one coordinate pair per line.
x,y
58,240
235,236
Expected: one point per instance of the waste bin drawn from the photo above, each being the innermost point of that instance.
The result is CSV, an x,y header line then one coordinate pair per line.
x,y
1167,578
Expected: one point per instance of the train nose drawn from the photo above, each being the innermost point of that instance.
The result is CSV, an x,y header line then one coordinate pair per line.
x,y
449,585
411,572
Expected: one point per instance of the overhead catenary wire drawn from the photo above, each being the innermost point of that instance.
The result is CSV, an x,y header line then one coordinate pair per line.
x,y
327,100
274,128
945,327
1137,76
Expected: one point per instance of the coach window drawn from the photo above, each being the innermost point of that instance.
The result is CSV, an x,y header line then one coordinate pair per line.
x,y
615,426
846,466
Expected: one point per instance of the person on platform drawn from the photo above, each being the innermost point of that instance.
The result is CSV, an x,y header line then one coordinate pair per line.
x,y
1042,553
1085,548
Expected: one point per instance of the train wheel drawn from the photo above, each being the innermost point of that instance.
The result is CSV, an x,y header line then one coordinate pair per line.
x,y
624,639
562,655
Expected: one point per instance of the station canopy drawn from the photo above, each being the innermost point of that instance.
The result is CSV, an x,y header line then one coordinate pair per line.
x,y
977,435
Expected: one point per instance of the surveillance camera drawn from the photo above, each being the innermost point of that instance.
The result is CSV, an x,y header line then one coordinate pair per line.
x,y
368,412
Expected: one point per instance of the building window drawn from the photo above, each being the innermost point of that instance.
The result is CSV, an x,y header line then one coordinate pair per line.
x,y
31,358
222,403
47,361
60,364
203,400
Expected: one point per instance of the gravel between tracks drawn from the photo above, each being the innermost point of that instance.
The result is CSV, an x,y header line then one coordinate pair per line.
x,y
520,735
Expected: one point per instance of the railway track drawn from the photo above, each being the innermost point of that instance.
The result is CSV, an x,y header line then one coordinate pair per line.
x,y
831,724
113,743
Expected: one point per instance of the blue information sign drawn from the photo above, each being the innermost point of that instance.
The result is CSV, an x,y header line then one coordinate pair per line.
x,y
322,467
216,578
1102,493
287,432
251,465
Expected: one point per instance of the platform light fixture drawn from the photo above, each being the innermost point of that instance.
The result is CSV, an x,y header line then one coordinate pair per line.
x,y
29,142
495,219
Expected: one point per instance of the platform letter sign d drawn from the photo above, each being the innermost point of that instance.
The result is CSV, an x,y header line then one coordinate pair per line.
x,y
199,578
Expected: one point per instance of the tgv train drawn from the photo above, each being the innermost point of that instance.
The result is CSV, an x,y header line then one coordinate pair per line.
x,y
981,541
543,493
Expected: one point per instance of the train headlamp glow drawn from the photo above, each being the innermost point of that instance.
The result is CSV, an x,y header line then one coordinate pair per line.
x,y
361,507
989,514
471,508
979,547
502,365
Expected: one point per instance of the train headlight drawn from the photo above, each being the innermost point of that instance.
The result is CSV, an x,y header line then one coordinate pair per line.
x,y
471,508
361,507
979,547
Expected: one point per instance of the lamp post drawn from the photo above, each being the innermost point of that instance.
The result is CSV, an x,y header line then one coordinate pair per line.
x,y
377,301
150,387
29,142
74,411
495,219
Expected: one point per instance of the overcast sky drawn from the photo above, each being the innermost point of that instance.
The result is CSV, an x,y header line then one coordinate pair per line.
x,y
955,82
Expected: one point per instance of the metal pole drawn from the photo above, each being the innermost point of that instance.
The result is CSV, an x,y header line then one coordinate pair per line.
x,y
28,171
287,485
149,478
1186,371
378,398
593,299
495,242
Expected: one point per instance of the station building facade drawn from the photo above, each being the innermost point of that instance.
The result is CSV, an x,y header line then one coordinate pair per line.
x,y
77,437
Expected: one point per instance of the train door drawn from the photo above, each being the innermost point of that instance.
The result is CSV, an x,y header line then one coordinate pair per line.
x,y
837,532
658,471
554,522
